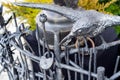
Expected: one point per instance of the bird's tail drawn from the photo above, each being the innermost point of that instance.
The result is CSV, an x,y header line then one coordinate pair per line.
x,y
112,20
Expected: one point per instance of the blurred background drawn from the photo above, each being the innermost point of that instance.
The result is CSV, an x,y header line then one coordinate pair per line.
x,y
27,15
106,6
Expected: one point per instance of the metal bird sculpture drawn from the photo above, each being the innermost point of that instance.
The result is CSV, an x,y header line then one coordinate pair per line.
x,y
87,23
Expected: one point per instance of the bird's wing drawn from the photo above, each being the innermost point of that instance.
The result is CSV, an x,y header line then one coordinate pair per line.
x,y
65,11
82,23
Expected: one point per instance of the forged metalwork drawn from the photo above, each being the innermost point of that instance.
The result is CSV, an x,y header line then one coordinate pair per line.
x,y
87,23
57,64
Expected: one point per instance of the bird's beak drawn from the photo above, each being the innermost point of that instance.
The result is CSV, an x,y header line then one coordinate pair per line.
x,y
67,39
64,40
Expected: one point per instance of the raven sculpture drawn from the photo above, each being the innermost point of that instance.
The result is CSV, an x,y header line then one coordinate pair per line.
x,y
87,23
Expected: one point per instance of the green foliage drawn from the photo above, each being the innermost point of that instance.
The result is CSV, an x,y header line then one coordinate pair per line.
x,y
26,13
96,5
103,1
115,9
105,6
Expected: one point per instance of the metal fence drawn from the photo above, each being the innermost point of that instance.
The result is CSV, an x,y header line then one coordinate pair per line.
x,y
57,64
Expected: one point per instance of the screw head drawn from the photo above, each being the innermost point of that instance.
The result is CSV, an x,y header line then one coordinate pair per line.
x,y
43,18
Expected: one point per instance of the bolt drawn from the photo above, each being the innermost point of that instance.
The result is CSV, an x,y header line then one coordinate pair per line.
x,y
43,18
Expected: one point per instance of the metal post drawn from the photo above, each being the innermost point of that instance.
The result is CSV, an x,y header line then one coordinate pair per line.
x,y
57,55
100,73
116,64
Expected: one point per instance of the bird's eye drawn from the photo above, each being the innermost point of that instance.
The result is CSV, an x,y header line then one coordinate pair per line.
x,y
79,30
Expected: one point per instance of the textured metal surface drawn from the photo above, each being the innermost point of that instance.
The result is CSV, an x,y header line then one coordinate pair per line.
x,y
54,8
88,22
67,64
